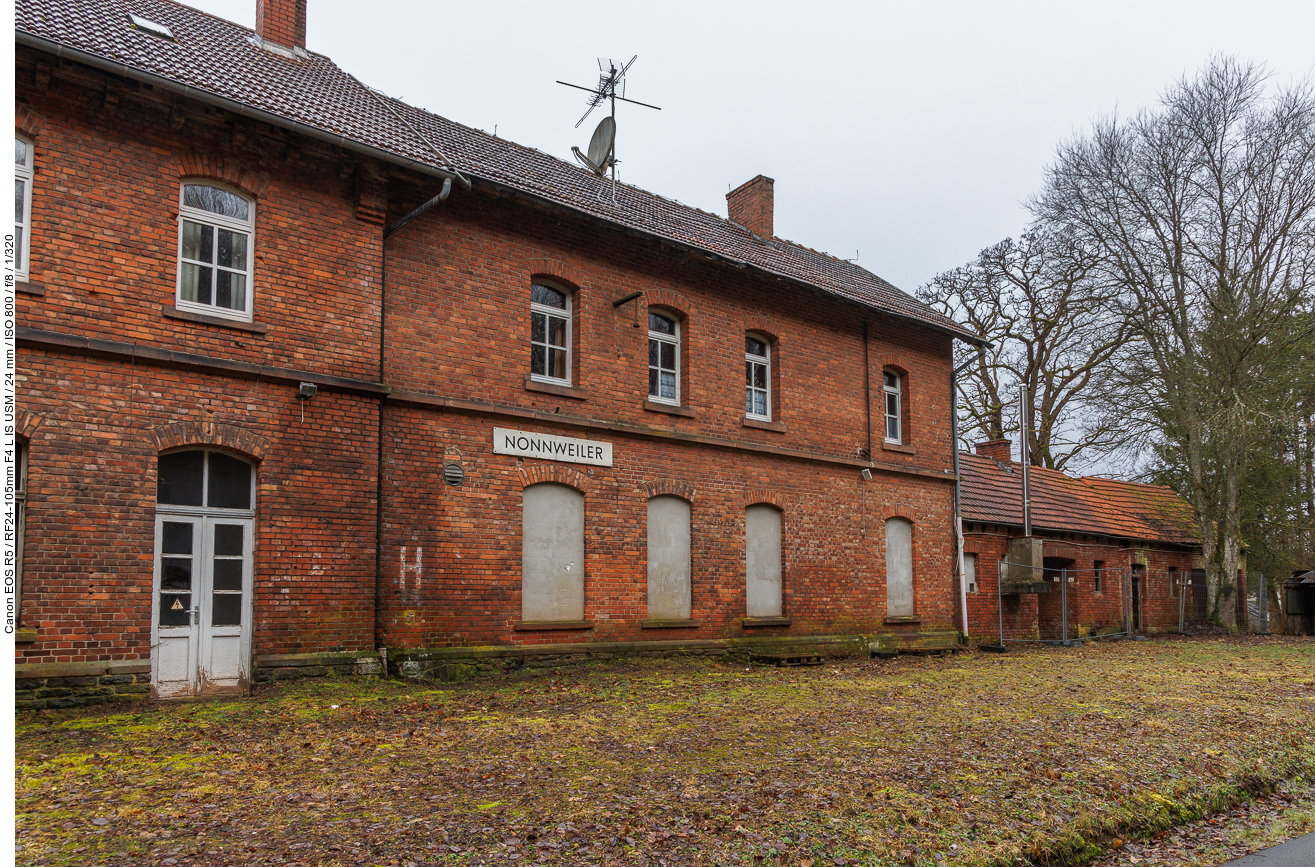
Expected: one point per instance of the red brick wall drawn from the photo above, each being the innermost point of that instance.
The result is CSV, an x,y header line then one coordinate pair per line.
x,y
1039,616
90,535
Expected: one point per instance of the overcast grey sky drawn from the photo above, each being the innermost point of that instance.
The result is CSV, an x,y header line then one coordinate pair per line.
x,y
908,132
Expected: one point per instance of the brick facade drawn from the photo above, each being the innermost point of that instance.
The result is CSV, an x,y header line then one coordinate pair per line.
x,y
112,375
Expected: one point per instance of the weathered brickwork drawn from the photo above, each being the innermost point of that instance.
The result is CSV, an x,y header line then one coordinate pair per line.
x,y
1091,611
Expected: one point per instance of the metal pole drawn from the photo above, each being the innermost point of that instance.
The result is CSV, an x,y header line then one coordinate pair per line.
x,y
1063,605
1024,424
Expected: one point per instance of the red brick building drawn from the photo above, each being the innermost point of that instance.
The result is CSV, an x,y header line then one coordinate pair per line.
x,y
1127,551
271,426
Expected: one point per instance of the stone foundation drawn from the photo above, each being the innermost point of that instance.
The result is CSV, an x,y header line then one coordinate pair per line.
x,y
53,686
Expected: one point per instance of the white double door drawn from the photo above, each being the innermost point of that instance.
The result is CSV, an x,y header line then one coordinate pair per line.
x,y
201,623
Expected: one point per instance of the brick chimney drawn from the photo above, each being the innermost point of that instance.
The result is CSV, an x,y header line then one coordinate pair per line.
x,y
997,449
750,205
282,22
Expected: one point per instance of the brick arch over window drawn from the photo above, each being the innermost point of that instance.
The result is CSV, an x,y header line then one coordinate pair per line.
x,y
763,326
28,121
573,478
208,433
217,169
555,268
900,510
26,424
671,487
754,496
668,300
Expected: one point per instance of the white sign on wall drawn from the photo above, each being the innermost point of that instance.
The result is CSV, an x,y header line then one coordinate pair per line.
x,y
551,448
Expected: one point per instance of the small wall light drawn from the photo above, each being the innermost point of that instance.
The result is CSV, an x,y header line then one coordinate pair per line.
x,y
307,390
866,474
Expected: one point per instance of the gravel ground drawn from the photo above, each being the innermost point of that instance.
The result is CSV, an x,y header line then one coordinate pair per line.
x,y
1287,813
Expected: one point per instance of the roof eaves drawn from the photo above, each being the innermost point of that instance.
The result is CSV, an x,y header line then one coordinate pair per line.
x,y
64,51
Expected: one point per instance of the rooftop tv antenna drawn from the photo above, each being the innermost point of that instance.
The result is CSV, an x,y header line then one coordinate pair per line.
x,y
602,146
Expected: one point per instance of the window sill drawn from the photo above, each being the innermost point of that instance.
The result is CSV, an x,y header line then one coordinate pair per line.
x,y
903,621
25,636
752,622
669,624
546,625
172,312
26,287
669,409
560,390
759,424
898,447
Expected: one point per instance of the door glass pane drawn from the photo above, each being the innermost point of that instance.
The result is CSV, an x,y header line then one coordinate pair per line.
x,y
177,538
230,482
228,540
175,609
226,609
180,479
175,573
228,574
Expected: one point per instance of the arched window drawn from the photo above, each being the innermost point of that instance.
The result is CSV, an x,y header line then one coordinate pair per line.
x,y
552,554
762,560
22,204
757,377
550,334
892,387
668,559
663,359
204,546
216,248
899,567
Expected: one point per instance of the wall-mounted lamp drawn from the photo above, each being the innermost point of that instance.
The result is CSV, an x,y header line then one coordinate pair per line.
x,y
305,391
866,474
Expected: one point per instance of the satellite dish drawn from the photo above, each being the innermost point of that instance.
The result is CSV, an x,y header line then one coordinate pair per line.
x,y
600,147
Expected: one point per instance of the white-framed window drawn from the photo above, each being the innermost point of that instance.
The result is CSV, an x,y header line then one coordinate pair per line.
x,y
890,385
550,334
216,249
757,377
22,204
970,572
663,359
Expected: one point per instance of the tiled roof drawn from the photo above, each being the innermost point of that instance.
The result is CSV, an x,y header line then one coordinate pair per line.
x,y
222,58
993,494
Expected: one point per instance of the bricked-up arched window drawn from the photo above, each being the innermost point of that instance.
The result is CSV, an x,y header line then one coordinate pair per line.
x,y
762,560
899,567
757,377
216,249
550,334
22,204
552,554
893,389
668,558
663,359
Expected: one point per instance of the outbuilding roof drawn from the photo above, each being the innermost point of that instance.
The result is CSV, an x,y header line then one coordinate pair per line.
x,y
211,56
992,493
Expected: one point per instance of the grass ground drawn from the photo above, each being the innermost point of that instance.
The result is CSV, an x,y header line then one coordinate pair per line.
x,y
1040,755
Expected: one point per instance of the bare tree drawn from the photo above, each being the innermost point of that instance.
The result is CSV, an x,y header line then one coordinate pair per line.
x,y
1042,304
1202,213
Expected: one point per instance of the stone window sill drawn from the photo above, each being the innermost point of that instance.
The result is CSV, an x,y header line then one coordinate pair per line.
x,y
669,409
669,624
903,621
172,312
752,622
759,424
546,625
25,636
898,447
560,390
26,287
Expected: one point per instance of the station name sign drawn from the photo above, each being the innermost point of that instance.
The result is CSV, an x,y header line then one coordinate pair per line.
x,y
551,448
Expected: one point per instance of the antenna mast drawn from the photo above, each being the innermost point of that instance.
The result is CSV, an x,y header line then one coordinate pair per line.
x,y
602,147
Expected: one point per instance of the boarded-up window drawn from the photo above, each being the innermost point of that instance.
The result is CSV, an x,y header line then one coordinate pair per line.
x,y
552,554
899,568
762,544
668,559
970,572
